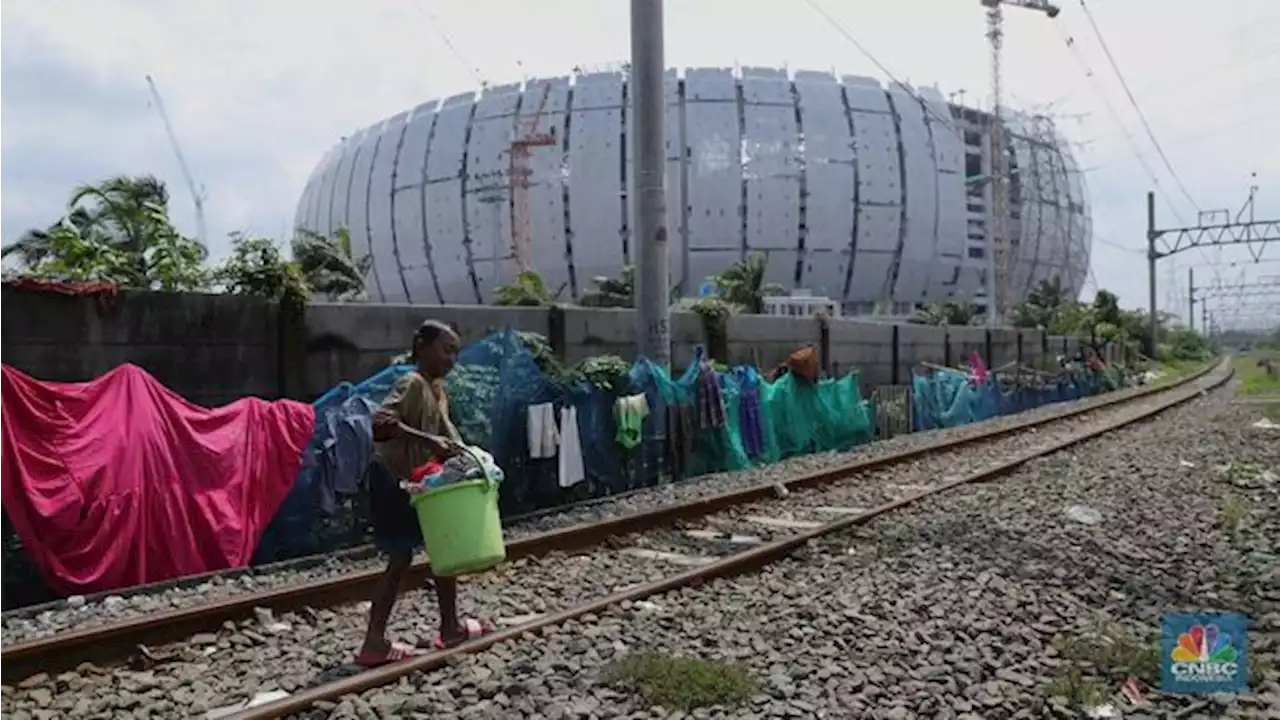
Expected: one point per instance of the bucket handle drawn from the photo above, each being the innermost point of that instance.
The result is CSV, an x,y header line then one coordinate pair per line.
x,y
489,483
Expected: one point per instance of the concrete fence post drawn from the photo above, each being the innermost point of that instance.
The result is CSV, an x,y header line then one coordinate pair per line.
x,y
291,350
896,357
824,344
556,331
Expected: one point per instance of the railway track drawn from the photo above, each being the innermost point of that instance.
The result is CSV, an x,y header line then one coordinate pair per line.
x,y
634,556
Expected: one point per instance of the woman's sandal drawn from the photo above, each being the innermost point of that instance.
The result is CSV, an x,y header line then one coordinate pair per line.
x,y
396,653
471,629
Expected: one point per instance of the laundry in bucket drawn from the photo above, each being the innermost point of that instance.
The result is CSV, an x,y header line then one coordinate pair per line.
x,y
472,463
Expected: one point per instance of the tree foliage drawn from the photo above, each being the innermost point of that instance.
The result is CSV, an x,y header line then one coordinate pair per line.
x,y
742,284
330,266
1103,322
527,290
257,267
119,231
619,292
945,313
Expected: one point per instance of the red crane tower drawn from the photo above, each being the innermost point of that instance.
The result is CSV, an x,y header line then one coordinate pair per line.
x,y
522,146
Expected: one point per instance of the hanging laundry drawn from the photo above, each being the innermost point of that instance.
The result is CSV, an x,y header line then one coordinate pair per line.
x,y
629,414
344,435
749,421
572,470
710,399
543,436
682,430
979,368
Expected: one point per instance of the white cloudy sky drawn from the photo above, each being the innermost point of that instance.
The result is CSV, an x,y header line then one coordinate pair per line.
x,y
260,90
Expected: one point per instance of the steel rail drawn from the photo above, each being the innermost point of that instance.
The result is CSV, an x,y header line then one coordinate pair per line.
x,y
106,643
738,563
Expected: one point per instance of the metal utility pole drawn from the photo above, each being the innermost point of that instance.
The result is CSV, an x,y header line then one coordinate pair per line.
x,y
1191,298
1175,240
197,193
653,332
1000,245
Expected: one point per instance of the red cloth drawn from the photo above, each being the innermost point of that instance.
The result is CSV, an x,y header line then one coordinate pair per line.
x,y
979,368
119,481
422,471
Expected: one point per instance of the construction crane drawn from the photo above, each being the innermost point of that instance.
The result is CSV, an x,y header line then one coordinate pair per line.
x,y
522,146
197,193
1000,244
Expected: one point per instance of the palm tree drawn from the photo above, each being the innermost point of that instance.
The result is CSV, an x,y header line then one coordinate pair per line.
x,y
127,210
329,264
743,284
36,244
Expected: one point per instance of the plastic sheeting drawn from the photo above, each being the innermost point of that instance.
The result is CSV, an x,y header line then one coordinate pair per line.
x,y
945,399
119,481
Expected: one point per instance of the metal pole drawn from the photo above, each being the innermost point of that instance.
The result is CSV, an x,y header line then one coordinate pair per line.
x,y
653,332
1151,270
1191,298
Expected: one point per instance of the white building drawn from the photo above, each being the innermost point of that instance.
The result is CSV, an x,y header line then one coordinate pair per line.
x,y
854,191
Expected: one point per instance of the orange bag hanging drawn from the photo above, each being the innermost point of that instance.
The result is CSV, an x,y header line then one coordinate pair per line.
x,y
804,363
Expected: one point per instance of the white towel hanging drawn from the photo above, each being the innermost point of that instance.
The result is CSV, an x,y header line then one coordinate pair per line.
x,y
543,436
572,470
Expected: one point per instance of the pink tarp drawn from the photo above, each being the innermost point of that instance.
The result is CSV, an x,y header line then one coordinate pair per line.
x,y
119,481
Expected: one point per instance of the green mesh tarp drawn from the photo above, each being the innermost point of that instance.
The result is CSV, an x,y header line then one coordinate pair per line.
x,y
796,418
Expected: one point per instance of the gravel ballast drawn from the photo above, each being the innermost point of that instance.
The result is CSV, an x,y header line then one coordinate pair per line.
x,y
80,613
794,617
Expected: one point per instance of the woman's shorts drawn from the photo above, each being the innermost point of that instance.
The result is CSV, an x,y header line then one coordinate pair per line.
x,y
395,524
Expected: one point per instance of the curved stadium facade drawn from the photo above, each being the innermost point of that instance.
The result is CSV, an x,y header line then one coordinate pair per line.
x,y
854,191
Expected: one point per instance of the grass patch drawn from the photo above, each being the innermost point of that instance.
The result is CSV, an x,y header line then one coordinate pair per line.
x,y
1095,661
1176,369
1233,509
681,682
1079,691
1252,378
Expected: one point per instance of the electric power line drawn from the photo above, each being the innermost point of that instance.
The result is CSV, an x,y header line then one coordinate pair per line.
x,y
1133,101
1069,41
1115,116
435,24
840,28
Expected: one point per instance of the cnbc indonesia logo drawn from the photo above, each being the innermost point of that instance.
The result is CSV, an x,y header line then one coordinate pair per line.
x,y
1204,654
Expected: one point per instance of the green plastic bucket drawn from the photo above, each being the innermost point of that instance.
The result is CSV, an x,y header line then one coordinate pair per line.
x,y
461,527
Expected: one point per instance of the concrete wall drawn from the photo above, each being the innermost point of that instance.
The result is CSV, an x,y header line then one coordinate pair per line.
x,y
208,348
215,348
